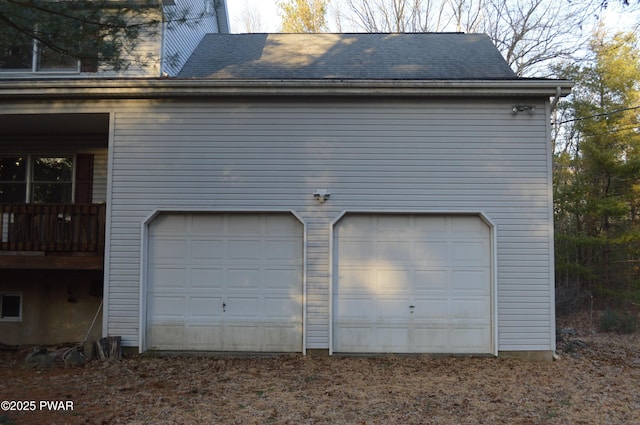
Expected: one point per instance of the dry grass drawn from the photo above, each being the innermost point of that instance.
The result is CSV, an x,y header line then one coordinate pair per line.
x,y
594,384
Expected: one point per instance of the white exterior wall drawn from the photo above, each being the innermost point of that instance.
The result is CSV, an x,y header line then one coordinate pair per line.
x,y
155,47
419,155
371,154
181,39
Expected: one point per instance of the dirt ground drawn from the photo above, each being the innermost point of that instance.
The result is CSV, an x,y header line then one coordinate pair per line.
x,y
595,381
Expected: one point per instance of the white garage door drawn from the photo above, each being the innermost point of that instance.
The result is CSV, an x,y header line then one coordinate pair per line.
x,y
225,282
412,284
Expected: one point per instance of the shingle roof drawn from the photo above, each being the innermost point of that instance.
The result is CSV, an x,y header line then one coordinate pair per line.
x,y
411,56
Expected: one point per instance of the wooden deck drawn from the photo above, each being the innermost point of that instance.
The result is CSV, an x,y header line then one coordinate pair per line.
x,y
52,236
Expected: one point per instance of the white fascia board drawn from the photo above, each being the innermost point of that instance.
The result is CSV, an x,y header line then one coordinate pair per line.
x,y
184,88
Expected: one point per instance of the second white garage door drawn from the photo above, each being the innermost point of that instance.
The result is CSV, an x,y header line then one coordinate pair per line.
x,y
225,282
412,284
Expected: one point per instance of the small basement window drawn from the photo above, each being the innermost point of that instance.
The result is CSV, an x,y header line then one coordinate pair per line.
x,y
10,307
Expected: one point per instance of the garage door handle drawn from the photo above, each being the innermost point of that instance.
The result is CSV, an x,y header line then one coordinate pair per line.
x,y
412,306
224,306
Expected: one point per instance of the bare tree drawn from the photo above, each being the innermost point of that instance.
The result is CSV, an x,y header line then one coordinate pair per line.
x,y
467,14
395,15
249,20
529,33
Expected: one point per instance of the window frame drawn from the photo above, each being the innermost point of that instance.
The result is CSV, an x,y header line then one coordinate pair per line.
x,y
30,180
20,307
36,59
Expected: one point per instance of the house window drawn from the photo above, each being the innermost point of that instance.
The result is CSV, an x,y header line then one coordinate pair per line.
x,y
13,180
25,54
10,307
36,178
52,180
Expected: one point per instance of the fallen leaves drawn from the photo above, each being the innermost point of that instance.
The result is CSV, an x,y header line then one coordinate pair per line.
x,y
595,384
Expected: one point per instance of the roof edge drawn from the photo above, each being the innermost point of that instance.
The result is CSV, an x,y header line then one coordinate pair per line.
x,y
181,88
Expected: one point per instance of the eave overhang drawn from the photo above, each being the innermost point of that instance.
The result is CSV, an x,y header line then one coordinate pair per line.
x,y
199,88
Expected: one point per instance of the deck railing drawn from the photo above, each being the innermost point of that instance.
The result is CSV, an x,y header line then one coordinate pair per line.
x,y
53,227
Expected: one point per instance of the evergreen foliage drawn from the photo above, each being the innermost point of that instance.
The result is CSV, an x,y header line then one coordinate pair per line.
x,y
597,173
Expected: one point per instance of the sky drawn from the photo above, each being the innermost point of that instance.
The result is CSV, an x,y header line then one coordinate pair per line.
x,y
268,13
615,18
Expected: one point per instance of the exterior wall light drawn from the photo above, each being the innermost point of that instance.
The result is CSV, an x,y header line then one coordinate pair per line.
x,y
321,195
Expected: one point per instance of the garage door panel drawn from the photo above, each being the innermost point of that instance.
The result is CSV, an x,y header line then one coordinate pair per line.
x,y
243,307
351,309
207,250
244,250
241,337
281,225
470,254
245,224
280,279
359,280
203,337
206,224
434,253
469,227
171,307
169,336
358,338
391,338
433,339
244,279
171,225
432,275
430,280
467,310
470,339
361,228
281,309
431,310
394,251
431,228
355,251
392,226
171,279
205,307
207,279
236,278
282,250
164,249
275,335
395,281
471,281
391,310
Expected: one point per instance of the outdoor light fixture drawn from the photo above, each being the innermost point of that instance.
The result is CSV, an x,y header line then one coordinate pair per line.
x,y
522,108
321,195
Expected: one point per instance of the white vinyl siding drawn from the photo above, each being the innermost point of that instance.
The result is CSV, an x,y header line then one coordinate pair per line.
x,y
181,39
392,155
376,154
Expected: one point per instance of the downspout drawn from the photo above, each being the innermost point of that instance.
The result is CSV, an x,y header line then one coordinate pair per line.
x,y
222,16
555,99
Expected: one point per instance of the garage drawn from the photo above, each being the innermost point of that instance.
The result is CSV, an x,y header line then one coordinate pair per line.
x,y
410,283
225,282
